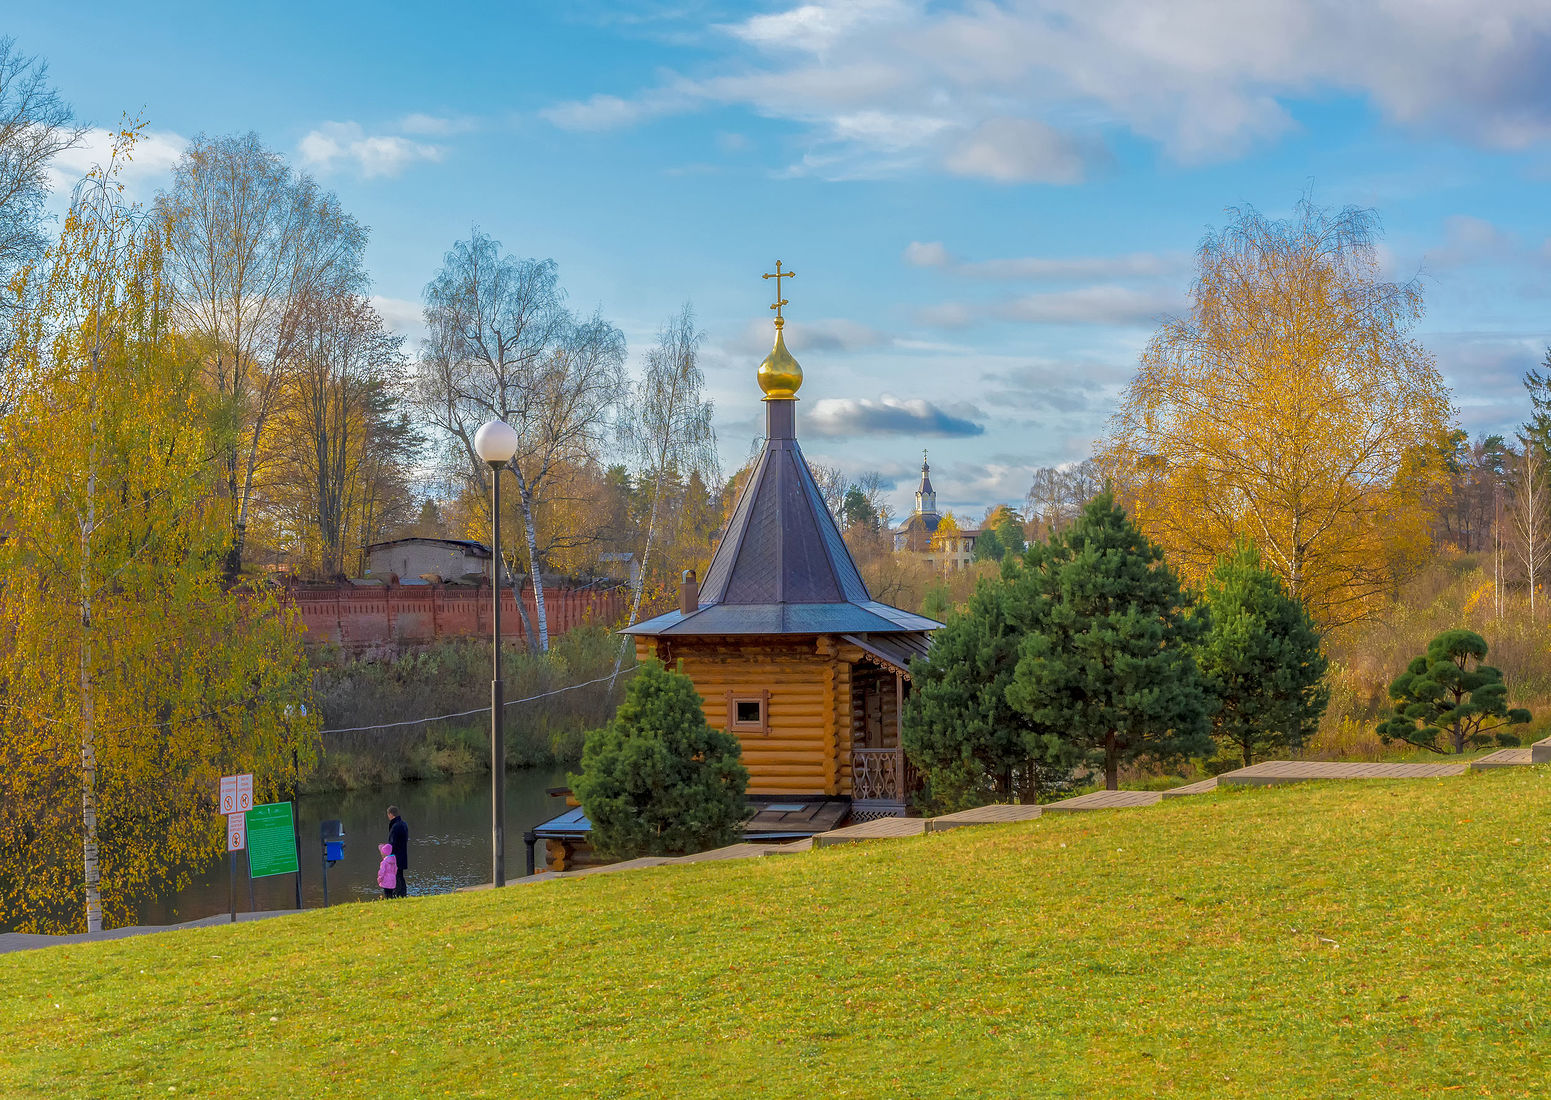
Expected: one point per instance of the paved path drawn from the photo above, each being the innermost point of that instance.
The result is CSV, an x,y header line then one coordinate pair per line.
x,y
24,941
1298,771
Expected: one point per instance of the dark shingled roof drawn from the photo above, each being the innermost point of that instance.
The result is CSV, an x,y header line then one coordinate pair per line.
x,y
782,567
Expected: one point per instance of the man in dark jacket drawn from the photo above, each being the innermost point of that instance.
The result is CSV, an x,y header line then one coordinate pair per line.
x,y
398,836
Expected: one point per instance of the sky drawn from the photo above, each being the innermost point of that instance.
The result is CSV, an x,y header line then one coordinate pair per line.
x,y
989,206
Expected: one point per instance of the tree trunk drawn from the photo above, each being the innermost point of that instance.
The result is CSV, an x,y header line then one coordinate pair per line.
x,y
541,626
1111,762
640,581
89,712
1247,760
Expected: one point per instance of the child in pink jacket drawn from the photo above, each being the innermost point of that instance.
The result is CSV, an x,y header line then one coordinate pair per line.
x,y
387,870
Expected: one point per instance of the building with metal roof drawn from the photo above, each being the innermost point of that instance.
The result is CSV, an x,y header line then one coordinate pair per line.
x,y
786,646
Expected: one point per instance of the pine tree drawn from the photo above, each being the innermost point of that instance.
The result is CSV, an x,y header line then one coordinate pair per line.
x,y
1261,659
967,741
658,780
1112,667
988,546
1009,532
1441,693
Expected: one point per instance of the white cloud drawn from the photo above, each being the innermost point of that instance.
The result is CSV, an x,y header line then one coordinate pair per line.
x,y
1100,304
335,144
1017,150
610,112
927,254
436,125
844,417
1042,268
1017,92
149,167
403,316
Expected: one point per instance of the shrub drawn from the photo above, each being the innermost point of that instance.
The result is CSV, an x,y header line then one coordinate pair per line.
x,y
658,780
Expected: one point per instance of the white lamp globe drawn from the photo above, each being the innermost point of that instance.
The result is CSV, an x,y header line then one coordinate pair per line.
x,y
496,442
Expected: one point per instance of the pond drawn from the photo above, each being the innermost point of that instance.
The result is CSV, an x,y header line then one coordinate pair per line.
x,y
449,845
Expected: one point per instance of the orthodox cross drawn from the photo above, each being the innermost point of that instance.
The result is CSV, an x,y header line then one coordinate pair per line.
x,y
778,276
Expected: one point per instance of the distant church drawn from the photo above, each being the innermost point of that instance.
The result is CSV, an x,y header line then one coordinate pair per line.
x,y
917,536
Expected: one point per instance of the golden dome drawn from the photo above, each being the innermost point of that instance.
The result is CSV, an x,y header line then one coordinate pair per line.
x,y
779,375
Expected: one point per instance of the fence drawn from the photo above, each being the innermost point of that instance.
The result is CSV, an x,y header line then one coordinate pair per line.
x,y
391,616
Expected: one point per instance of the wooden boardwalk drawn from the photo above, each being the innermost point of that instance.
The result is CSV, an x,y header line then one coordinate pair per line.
x,y
1205,786
1299,771
983,815
1106,800
1505,758
877,829
1259,775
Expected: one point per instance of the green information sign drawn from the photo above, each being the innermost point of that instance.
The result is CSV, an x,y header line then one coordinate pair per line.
x,y
271,840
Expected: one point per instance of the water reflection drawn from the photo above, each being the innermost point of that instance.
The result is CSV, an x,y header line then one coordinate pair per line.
x,y
449,845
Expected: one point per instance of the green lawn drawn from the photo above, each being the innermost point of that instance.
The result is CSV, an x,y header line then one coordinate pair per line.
x,y
1327,939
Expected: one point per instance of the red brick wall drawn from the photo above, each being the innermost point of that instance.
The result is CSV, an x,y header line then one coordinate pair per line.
x,y
392,616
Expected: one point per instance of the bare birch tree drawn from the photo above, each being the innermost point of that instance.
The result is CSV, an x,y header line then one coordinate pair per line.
x,y
1529,525
503,345
248,242
35,126
668,427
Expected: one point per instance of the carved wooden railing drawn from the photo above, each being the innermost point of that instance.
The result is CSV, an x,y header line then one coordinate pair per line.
x,y
881,774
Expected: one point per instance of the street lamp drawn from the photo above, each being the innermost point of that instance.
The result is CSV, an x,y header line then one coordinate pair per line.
x,y
496,443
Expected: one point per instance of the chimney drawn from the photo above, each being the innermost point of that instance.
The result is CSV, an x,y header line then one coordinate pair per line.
x,y
689,594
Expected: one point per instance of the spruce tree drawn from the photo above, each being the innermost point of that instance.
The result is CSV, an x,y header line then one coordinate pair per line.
x,y
658,780
1447,691
967,741
1112,666
1261,659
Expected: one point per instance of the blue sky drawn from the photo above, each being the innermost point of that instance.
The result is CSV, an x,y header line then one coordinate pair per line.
x,y
989,205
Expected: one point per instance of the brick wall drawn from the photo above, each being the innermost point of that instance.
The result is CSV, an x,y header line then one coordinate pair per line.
x,y
394,616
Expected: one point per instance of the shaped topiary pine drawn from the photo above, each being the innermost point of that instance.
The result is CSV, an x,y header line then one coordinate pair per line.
x,y
1441,693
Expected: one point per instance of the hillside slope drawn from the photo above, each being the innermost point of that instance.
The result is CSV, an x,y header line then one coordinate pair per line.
x,y
1341,939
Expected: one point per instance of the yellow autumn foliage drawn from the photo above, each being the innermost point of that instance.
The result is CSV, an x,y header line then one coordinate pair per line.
x,y
131,676
1288,406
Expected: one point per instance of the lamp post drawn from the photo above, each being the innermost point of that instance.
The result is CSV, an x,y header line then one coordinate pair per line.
x,y
496,443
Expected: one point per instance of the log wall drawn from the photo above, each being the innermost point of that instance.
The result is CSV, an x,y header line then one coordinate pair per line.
x,y
809,709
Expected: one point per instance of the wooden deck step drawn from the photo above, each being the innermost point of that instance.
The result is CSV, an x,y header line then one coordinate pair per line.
x,y
1105,800
1505,758
732,851
1298,771
878,829
982,815
1540,752
1202,787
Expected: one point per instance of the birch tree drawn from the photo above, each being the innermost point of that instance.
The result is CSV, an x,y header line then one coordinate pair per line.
x,y
248,242
36,125
667,424
503,345
1290,406
1528,520
129,672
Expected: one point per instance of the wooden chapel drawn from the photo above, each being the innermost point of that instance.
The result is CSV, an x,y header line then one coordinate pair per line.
x,y
787,648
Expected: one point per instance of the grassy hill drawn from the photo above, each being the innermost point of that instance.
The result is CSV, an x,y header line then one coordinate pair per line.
x,y
1352,939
